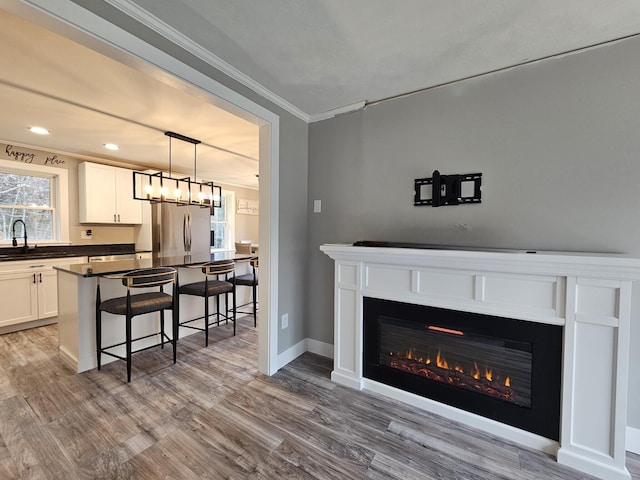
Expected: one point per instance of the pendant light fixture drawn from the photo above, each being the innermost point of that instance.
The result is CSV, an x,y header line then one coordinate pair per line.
x,y
162,188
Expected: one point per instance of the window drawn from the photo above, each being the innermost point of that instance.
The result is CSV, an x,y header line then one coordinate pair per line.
x,y
27,198
34,195
222,223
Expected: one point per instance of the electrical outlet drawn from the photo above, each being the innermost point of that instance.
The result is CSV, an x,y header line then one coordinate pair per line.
x,y
317,206
85,234
285,321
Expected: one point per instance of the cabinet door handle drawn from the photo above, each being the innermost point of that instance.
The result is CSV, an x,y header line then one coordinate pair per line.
x,y
40,278
34,278
118,217
114,217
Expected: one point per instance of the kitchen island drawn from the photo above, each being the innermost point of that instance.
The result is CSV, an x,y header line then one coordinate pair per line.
x,y
77,302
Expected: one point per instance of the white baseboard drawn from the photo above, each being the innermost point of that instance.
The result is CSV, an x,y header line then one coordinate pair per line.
x,y
633,440
306,345
320,348
292,353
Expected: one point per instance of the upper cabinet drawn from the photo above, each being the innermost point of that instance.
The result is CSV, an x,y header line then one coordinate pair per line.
x,y
106,195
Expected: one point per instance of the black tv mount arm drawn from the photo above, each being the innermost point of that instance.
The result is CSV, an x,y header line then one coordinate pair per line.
x,y
447,189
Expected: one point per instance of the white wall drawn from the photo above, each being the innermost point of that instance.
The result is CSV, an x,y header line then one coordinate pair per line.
x,y
557,143
246,226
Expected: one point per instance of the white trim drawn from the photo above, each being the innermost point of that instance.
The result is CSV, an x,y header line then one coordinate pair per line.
x,y
69,19
292,353
633,440
154,23
60,178
68,358
354,107
320,348
307,345
268,231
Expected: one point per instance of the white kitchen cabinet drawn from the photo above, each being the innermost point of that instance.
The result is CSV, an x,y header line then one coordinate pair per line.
x,y
19,297
106,195
29,290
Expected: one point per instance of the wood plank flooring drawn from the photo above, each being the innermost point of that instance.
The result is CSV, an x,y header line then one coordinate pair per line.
x,y
213,416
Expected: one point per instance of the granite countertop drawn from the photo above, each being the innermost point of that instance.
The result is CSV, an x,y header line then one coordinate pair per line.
x,y
122,266
62,251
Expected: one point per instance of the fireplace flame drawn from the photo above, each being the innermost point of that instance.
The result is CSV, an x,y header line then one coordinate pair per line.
x,y
480,378
441,361
475,373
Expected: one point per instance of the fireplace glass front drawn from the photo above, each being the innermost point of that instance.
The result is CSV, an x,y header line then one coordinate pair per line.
x,y
504,369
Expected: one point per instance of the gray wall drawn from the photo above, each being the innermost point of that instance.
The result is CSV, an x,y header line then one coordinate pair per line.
x,y
557,143
293,176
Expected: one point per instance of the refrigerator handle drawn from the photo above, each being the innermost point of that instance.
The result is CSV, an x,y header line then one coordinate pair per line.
x,y
186,232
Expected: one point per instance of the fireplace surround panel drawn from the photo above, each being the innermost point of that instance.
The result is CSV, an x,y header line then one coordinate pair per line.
x,y
586,296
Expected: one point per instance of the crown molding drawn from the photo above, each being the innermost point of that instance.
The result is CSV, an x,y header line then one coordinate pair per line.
x,y
338,111
150,21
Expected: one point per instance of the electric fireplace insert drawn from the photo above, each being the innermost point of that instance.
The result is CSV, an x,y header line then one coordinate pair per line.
x,y
505,369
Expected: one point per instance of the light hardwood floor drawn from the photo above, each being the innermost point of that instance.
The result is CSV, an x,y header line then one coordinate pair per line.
x,y
213,416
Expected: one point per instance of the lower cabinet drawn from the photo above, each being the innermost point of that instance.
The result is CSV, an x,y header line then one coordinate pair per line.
x,y
29,291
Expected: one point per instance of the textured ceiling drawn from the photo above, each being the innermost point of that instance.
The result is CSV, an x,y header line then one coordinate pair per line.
x,y
320,55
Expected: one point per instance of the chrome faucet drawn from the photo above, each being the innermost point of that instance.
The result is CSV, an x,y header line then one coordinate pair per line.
x,y
25,248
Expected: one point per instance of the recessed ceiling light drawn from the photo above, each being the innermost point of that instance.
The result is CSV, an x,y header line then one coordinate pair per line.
x,y
39,130
111,146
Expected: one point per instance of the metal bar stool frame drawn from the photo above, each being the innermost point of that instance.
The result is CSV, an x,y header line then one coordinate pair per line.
x,y
250,280
204,289
135,305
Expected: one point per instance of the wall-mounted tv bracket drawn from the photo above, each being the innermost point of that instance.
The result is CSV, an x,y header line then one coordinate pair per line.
x,y
448,189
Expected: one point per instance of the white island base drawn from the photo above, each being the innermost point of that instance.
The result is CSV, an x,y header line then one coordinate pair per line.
x,y
588,295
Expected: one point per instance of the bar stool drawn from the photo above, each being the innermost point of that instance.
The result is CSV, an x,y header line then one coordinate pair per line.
x,y
250,280
218,280
137,304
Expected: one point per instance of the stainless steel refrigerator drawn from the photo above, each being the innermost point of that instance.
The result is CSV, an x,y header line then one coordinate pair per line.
x,y
180,230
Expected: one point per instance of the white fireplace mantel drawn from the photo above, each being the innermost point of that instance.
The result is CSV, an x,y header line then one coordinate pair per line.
x,y
588,294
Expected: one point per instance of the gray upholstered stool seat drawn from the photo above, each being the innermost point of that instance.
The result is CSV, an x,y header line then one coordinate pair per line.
x,y
207,288
248,280
218,280
141,303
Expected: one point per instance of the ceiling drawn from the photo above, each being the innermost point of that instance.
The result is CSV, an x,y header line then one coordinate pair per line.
x,y
313,58
86,100
322,55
